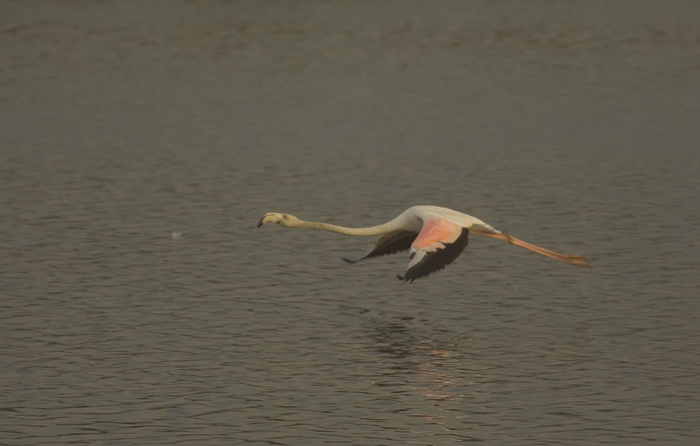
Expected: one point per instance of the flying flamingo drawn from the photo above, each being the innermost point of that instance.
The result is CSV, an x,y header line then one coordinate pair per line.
x,y
436,236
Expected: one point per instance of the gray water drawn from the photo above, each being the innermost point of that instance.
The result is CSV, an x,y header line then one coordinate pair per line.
x,y
141,142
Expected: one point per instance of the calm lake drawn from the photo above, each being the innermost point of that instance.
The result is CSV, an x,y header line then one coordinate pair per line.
x,y
141,142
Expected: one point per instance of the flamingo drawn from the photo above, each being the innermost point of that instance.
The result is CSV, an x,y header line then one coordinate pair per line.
x,y
435,236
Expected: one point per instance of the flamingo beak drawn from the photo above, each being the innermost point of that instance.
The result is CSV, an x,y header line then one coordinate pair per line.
x,y
265,219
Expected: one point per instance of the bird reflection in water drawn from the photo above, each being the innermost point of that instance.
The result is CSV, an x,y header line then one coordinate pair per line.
x,y
420,364
433,373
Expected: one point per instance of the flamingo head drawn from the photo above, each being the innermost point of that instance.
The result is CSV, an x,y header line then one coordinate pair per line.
x,y
286,220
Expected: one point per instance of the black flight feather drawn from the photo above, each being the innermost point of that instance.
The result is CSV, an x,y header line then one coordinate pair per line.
x,y
438,259
389,243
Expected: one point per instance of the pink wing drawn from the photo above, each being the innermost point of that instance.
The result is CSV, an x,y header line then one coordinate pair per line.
x,y
439,243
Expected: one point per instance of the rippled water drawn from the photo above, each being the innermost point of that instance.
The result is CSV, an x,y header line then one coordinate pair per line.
x,y
140,143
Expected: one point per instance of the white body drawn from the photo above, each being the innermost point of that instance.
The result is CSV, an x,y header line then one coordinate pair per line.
x,y
413,218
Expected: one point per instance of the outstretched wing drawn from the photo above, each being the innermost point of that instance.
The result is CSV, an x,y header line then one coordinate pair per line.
x,y
438,244
389,243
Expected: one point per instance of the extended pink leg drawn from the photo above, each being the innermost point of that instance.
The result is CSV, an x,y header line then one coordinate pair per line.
x,y
571,259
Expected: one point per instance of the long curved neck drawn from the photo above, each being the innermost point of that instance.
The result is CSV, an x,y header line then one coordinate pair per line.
x,y
374,230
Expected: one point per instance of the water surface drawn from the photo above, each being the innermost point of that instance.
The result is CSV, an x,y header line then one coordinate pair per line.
x,y
140,143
